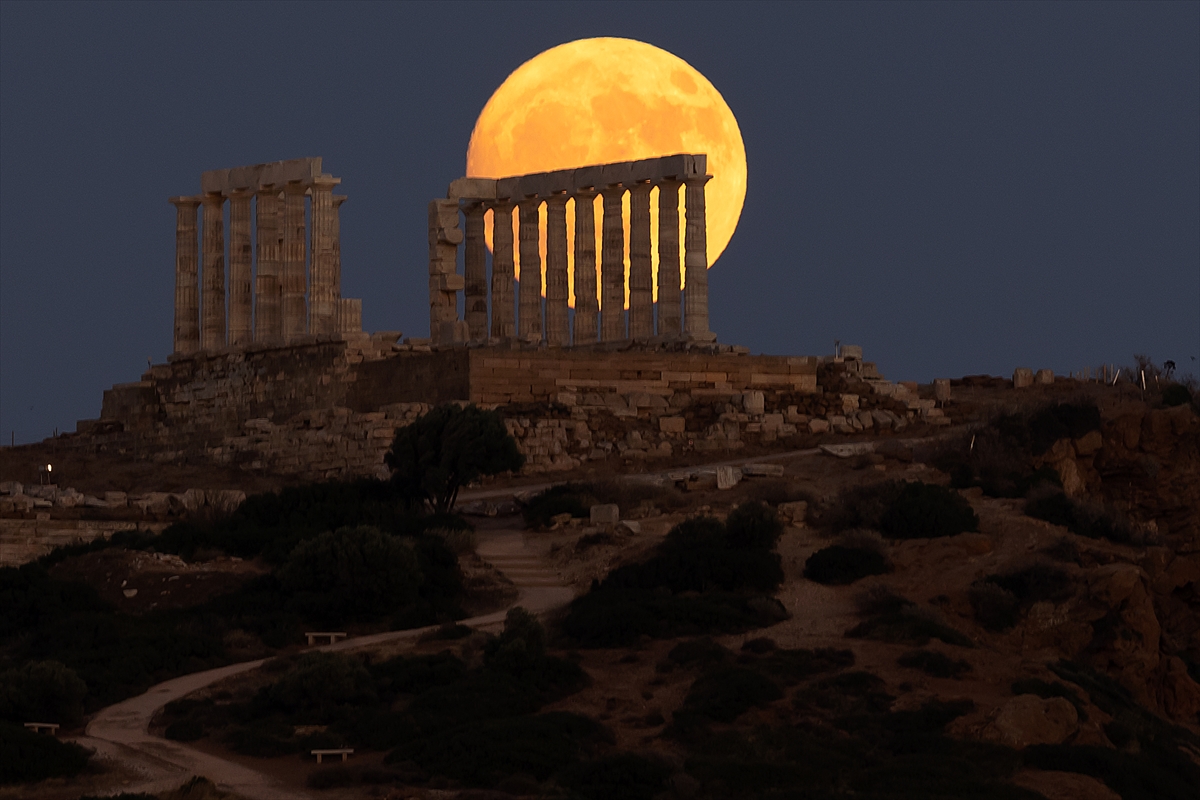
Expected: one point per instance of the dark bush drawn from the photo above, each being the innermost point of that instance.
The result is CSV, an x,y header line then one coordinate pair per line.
x,y
759,646
838,565
415,674
931,662
927,511
333,777
26,756
1134,777
725,693
1036,583
624,775
447,448
262,739
41,691
698,652
317,685
618,617
351,573
484,753
566,498
907,624
1176,395
1063,421
996,608
790,667
185,730
860,506
753,526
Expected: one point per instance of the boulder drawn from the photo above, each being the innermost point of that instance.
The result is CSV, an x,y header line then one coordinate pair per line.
x,y
606,514
1028,719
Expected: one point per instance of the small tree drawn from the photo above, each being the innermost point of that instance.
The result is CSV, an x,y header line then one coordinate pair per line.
x,y
448,448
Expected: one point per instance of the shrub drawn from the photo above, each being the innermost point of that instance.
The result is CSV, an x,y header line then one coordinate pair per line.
x,y
753,526
904,623
838,565
789,667
618,617
351,573
996,608
484,753
625,775
860,506
460,541
1089,520
42,691
331,778
447,448
725,693
27,756
1176,395
185,730
698,652
317,684
924,510
931,662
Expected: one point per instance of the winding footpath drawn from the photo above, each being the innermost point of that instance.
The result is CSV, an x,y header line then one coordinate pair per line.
x,y
121,732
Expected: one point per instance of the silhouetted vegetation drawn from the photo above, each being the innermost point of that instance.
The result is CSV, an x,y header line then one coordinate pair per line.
x,y
838,565
1176,395
1082,518
931,662
447,448
999,600
577,500
892,618
927,511
41,691
705,577
27,756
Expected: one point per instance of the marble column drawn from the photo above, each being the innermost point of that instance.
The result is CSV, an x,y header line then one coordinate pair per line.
x,y
475,271
212,327
557,300
641,270
585,267
529,304
187,284
612,266
295,308
268,288
338,199
241,259
503,322
695,260
322,300
668,258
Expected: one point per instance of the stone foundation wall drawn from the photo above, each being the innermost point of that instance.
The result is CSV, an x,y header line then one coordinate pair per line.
x,y
329,408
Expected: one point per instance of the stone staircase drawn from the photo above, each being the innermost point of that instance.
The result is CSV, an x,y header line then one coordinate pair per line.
x,y
511,554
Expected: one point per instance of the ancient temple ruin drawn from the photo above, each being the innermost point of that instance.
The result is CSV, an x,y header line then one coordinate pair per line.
x,y
284,281
600,313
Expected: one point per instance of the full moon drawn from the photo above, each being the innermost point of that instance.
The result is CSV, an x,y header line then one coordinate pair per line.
x,y
597,101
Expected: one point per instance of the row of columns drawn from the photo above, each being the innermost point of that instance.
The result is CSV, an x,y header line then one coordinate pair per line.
x,y
287,296
605,320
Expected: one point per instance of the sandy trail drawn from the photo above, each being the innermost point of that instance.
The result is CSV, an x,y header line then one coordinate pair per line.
x,y
121,731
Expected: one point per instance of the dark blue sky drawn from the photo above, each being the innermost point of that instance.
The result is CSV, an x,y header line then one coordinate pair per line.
x,y
959,187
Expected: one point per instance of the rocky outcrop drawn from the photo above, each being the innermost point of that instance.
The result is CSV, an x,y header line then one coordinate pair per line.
x,y
1028,719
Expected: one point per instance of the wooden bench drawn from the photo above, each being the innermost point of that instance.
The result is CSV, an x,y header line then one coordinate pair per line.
x,y
344,752
332,636
39,727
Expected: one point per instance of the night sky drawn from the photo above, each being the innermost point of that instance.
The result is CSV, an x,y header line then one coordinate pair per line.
x,y
959,188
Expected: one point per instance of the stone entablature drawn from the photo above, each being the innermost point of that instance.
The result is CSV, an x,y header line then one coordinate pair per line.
x,y
599,309
284,278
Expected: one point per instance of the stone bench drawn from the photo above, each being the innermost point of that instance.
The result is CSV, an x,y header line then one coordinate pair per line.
x,y
332,636
344,752
40,727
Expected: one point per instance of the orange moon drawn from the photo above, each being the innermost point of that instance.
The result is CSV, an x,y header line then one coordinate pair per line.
x,y
597,101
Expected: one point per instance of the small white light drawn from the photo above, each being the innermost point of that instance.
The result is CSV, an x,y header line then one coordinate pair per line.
x,y
49,468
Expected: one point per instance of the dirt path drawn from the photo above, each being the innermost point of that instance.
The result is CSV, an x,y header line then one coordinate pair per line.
x,y
121,732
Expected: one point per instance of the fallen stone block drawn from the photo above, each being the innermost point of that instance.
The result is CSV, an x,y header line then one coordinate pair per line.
x,y
606,514
728,477
795,512
1022,377
1044,377
762,470
941,389
848,450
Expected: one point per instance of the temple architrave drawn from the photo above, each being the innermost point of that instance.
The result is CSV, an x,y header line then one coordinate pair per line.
x,y
284,277
497,318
